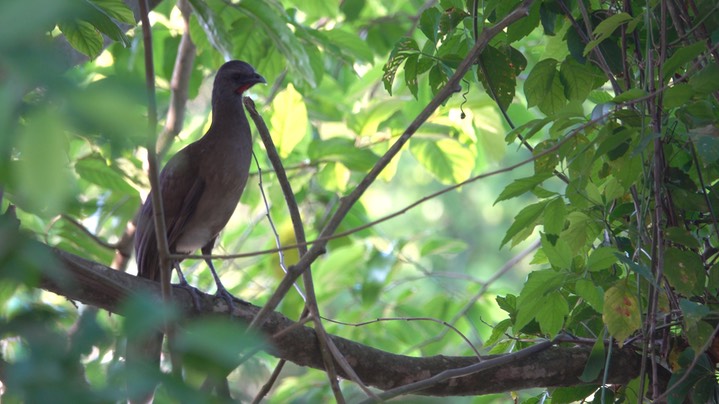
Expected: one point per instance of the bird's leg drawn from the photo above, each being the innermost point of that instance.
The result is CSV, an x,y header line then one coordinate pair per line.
x,y
185,285
221,291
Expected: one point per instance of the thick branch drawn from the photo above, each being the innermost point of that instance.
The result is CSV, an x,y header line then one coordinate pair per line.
x,y
98,285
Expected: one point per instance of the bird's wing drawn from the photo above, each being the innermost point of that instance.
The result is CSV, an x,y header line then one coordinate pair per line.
x,y
181,191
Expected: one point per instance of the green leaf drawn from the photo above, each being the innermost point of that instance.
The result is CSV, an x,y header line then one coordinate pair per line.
x,y
681,236
551,313
96,171
402,50
569,395
706,141
591,293
639,269
334,177
621,312
581,230
682,56
429,23
578,79
606,28
83,36
289,120
526,219
595,363
528,130
343,151
706,80
555,214
678,95
557,251
521,186
544,88
445,158
410,74
352,9
684,271
211,23
502,67
602,258
498,332
116,9
274,22
631,94
97,16
351,43
524,26
437,78
214,345
539,284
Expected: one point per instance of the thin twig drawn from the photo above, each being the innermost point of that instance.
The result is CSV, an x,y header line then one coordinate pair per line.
x,y
467,306
434,320
326,345
82,228
275,233
158,212
452,373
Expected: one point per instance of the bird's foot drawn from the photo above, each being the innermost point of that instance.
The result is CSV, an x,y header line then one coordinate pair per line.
x,y
229,298
193,291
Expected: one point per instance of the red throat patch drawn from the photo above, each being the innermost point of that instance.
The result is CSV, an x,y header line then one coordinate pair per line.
x,y
242,89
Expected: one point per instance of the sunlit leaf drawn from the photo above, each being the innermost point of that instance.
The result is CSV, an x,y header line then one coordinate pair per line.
x,y
289,120
445,158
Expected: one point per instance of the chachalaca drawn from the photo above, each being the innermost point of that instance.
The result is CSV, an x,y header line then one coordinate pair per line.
x,y
200,186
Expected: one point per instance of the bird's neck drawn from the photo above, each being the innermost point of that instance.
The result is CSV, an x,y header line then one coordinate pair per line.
x,y
228,117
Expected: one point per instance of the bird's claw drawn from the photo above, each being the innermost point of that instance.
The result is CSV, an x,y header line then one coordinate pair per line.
x,y
228,297
194,293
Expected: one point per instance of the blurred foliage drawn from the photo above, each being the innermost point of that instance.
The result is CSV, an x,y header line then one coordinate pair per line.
x,y
595,96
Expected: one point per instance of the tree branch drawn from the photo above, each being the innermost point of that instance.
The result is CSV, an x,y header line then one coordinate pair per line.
x,y
101,286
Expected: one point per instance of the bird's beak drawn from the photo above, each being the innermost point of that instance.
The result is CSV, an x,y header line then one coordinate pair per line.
x,y
259,79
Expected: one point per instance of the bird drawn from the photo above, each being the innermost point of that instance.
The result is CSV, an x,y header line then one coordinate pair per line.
x,y
200,188
201,184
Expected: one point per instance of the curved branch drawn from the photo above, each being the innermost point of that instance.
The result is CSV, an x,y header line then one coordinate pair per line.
x,y
101,286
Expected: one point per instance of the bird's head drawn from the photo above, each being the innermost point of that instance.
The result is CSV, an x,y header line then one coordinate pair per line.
x,y
236,76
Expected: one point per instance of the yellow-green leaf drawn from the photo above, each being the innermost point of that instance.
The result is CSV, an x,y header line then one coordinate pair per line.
x,y
621,312
445,158
289,120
